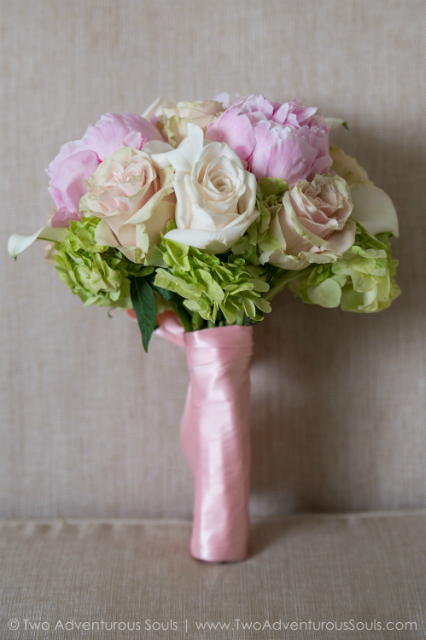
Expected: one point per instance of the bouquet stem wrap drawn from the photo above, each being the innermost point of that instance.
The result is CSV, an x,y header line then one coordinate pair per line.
x,y
215,434
216,440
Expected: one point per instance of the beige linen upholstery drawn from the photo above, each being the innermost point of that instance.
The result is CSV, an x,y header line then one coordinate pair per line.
x,y
89,422
322,568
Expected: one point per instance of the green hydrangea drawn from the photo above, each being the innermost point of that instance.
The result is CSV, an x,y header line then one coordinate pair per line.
x,y
259,237
363,280
213,288
96,273
318,285
370,272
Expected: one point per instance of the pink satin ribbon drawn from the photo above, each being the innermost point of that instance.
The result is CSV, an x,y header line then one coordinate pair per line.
x,y
215,435
215,439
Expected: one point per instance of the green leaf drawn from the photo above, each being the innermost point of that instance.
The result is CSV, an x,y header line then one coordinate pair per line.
x,y
270,242
241,246
171,224
174,300
166,280
260,285
263,305
213,289
144,305
249,307
155,257
271,186
144,271
178,253
228,311
326,294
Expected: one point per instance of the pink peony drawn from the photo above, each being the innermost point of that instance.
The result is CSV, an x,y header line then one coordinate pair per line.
x,y
273,139
78,160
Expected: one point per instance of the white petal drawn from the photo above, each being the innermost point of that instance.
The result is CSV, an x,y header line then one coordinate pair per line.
x,y
341,241
191,237
16,244
374,209
104,235
248,201
186,154
183,203
156,107
226,98
220,149
156,224
158,151
333,123
213,241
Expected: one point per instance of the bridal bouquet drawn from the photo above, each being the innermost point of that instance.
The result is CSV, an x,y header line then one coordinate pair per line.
x,y
193,217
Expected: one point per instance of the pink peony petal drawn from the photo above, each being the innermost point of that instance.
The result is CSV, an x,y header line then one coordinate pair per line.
x,y
236,130
70,178
62,218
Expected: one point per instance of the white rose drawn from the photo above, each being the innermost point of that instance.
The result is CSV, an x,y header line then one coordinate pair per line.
x,y
215,196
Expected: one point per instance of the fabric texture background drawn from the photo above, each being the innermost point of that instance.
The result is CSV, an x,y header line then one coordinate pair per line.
x,y
323,568
90,424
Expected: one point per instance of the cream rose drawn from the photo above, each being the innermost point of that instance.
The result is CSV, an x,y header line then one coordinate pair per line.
x,y
313,224
215,196
173,123
134,200
347,167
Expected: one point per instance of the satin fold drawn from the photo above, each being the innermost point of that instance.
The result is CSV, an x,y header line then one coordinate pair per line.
x,y
215,437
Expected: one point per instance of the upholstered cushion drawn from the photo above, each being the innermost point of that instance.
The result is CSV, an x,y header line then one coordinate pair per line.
x,y
330,569
89,422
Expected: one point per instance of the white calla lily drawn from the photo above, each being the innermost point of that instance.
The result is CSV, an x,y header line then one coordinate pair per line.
x,y
334,123
16,243
374,209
